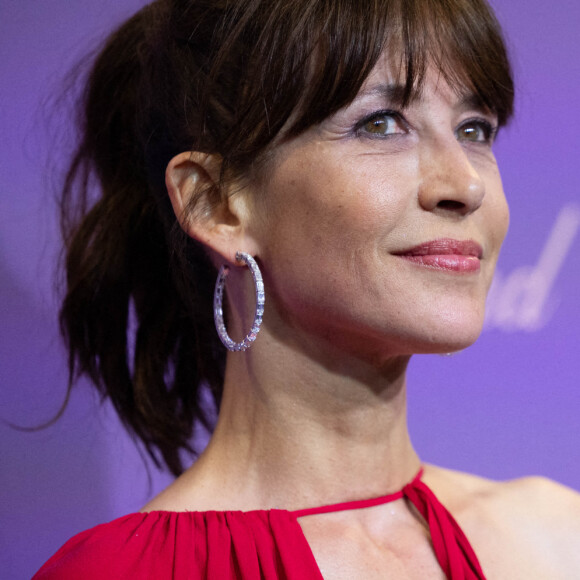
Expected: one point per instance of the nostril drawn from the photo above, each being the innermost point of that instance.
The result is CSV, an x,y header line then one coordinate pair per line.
x,y
451,204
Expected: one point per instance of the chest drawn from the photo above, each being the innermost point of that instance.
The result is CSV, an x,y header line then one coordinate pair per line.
x,y
398,549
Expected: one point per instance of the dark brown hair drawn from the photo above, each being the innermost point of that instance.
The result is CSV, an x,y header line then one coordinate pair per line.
x,y
223,77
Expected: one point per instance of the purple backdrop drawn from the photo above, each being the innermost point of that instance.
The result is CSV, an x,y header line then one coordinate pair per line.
x,y
508,406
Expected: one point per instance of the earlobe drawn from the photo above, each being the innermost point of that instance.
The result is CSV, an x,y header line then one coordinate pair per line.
x,y
203,212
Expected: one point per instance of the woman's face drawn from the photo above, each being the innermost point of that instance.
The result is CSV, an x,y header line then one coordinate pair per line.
x,y
380,228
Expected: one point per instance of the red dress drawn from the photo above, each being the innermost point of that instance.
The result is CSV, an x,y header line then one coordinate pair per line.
x,y
237,545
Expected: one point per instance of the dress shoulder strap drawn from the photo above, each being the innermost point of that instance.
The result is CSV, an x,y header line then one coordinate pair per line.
x,y
355,505
452,548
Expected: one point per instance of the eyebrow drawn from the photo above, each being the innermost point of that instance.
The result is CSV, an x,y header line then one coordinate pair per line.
x,y
470,100
393,93
396,93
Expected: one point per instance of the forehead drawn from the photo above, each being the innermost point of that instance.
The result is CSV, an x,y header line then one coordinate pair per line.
x,y
390,81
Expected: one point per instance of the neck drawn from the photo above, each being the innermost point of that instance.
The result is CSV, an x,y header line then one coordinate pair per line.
x,y
296,430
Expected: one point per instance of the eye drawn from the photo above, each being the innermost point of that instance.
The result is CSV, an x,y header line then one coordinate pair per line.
x,y
381,124
476,131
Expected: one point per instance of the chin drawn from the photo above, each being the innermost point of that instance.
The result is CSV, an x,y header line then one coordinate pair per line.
x,y
457,334
447,326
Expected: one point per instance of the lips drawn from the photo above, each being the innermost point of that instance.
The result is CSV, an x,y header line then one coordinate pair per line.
x,y
446,254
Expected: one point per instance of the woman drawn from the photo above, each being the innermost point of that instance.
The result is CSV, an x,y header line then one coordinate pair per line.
x,y
347,148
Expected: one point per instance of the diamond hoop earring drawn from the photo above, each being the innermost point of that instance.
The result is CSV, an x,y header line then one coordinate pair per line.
x,y
218,313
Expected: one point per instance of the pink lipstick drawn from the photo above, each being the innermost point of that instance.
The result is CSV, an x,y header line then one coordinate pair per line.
x,y
446,254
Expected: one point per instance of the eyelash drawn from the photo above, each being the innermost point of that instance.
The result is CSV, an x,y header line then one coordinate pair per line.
x,y
489,129
376,115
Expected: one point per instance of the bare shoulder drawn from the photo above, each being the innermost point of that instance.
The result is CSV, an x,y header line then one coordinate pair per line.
x,y
530,523
533,500
545,494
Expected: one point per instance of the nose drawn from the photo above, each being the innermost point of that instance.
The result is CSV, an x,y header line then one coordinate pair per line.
x,y
450,184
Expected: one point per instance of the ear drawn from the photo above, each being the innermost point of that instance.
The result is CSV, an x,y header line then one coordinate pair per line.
x,y
207,214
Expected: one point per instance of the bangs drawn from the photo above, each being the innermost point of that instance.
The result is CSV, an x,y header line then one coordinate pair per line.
x,y
461,39
277,68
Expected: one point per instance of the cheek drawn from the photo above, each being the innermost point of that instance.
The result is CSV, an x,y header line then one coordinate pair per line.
x,y
498,211
327,230
505,217
492,223
333,206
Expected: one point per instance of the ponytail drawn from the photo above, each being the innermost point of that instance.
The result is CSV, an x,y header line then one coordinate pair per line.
x,y
137,316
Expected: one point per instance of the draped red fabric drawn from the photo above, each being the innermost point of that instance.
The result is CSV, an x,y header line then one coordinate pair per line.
x,y
453,550
261,544
187,546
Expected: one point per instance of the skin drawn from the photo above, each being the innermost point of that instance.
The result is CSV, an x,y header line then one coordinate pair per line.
x,y
315,412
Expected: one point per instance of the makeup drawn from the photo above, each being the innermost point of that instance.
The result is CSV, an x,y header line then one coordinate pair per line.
x,y
446,254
